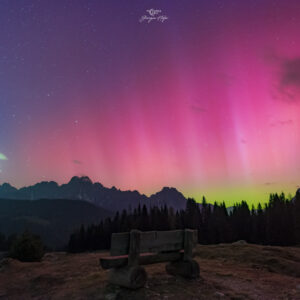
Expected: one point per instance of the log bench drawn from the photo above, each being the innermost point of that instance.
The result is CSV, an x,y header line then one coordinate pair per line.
x,y
130,250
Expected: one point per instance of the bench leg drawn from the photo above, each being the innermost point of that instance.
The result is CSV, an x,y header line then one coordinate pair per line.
x,y
187,269
133,277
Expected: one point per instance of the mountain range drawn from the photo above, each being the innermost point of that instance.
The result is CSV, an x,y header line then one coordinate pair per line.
x,y
82,188
54,211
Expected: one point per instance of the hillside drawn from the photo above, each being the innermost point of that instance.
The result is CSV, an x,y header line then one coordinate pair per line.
x,y
228,271
54,220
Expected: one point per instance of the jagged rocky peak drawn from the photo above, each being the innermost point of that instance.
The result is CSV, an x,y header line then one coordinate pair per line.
x,y
98,185
169,196
7,187
83,179
168,189
47,183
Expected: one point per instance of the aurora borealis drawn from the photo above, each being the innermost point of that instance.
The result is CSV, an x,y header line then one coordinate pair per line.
x,y
207,101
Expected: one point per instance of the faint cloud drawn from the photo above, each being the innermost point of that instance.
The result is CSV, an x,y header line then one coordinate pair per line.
x,y
288,122
287,77
227,79
243,141
282,123
269,183
77,162
197,108
289,83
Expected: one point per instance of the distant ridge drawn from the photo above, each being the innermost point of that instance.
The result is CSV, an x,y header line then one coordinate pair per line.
x,y
82,188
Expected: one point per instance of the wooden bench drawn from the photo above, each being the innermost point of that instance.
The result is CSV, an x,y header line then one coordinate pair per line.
x,y
130,250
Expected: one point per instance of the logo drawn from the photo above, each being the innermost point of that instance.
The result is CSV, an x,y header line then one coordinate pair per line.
x,y
153,15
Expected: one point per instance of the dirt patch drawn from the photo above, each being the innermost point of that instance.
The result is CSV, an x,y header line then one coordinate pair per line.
x,y
281,260
240,271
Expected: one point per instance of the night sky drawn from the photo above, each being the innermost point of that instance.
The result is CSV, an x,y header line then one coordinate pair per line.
x,y
207,101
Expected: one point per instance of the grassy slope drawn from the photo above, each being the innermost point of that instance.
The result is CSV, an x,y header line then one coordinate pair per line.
x,y
54,220
227,272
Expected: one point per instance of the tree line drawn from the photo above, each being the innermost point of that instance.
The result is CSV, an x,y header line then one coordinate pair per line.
x,y
277,223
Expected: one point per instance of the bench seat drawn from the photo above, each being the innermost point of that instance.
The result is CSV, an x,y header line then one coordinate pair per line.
x,y
109,262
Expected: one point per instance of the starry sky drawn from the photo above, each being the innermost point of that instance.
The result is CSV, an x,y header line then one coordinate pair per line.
x,y
207,101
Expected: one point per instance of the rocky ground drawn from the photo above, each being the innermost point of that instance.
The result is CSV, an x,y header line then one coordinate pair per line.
x,y
228,271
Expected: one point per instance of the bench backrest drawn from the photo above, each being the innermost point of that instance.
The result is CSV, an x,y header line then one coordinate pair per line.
x,y
151,241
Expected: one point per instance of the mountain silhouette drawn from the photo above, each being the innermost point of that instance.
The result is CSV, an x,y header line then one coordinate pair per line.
x,y
170,197
82,188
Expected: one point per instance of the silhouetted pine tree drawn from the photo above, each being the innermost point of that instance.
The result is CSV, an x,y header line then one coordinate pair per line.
x,y
144,219
221,227
258,226
241,222
280,227
191,214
